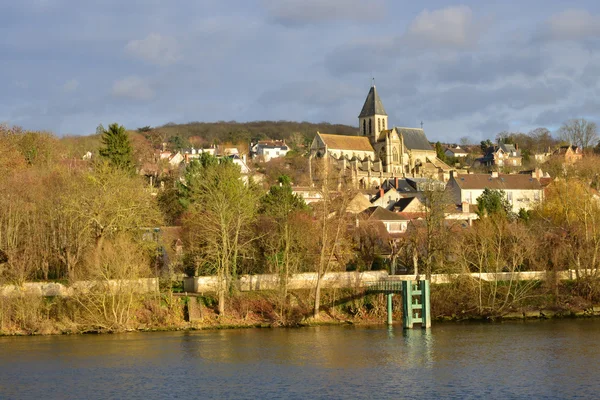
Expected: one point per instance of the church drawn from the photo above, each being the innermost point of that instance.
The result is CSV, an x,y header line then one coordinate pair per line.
x,y
377,153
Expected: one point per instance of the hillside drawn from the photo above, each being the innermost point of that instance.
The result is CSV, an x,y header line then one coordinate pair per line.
x,y
207,133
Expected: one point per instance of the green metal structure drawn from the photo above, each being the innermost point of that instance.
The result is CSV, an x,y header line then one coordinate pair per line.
x,y
415,300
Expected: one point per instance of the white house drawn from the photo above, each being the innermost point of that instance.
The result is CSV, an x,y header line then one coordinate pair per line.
x,y
522,191
269,149
456,152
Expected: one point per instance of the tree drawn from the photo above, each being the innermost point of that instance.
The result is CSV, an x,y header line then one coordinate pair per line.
x,y
439,149
464,141
283,224
493,202
430,238
220,212
332,246
579,132
485,145
112,202
541,139
495,246
117,150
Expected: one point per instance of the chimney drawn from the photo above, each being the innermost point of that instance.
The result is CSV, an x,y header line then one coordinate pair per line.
x,y
465,207
396,183
494,174
453,174
381,192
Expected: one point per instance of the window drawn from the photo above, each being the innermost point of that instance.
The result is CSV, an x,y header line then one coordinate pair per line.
x,y
370,127
378,124
509,196
536,195
364,128
396,226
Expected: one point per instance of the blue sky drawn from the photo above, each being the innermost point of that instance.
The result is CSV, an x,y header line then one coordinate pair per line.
x,y
464,69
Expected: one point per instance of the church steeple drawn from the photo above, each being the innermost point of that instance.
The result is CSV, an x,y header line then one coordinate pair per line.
x,y
373,118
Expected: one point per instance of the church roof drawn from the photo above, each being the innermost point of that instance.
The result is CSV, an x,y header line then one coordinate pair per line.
x,y
345,142
373,104
414,139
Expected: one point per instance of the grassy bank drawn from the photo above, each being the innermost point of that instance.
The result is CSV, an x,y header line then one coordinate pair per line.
x,y
459,301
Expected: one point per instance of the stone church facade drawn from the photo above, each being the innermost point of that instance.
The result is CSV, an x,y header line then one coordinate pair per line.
x,y
377,152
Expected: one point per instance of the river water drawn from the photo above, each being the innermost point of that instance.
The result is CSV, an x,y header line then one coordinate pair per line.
x,y
534,359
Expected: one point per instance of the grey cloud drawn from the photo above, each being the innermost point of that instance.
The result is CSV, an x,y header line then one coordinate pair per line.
x,y
155,49
133,88
572,24
313,94
450,27
363,57
489,67
301,12
464,100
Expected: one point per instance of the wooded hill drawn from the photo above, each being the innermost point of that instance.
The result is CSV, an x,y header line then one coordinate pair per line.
x,y
208,133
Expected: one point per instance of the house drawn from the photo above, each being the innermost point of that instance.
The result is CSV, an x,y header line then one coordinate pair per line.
x,y
460,214
542,156
192,153
386,198
268,149
569,154
522,191
379,152
456,152
308,194
175,159
394,223
409,205
502,155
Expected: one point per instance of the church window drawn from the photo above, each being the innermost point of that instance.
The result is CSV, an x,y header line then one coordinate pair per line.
x,y
370,127
379,124
364,127
395,155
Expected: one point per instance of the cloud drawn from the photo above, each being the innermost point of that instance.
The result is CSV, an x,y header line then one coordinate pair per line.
x,y
489,67
132,87
571,24
302,12
313,94
155,49
70,86
451,27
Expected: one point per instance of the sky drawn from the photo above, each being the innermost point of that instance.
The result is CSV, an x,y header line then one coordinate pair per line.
x,y
463,69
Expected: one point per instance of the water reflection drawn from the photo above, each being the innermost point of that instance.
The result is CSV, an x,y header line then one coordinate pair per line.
x,y
543,360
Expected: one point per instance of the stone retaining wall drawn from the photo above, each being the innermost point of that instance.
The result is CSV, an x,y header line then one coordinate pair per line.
x,y
201,284
48,289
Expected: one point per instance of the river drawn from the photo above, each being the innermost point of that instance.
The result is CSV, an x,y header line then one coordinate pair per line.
x,y
533,359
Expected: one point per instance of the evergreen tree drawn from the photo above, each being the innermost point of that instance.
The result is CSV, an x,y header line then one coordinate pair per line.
x,y
117,149
439,149
493,202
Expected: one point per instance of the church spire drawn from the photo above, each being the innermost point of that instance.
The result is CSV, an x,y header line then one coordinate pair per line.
x,y
373,105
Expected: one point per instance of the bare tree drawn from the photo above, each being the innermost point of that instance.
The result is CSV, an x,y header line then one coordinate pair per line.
x,y
579,132
333,248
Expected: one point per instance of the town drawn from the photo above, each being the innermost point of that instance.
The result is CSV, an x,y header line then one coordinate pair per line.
x,y
155,204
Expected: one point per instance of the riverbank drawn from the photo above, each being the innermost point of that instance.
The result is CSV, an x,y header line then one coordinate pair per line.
x,y
30,314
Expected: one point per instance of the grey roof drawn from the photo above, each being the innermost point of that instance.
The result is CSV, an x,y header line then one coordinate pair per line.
x,y
373,104
414,138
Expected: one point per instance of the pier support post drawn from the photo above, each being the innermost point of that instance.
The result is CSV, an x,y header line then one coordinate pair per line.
x,y
426,310
389,308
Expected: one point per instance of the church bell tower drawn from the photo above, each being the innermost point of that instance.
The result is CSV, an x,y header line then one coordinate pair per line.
x,y
373,118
